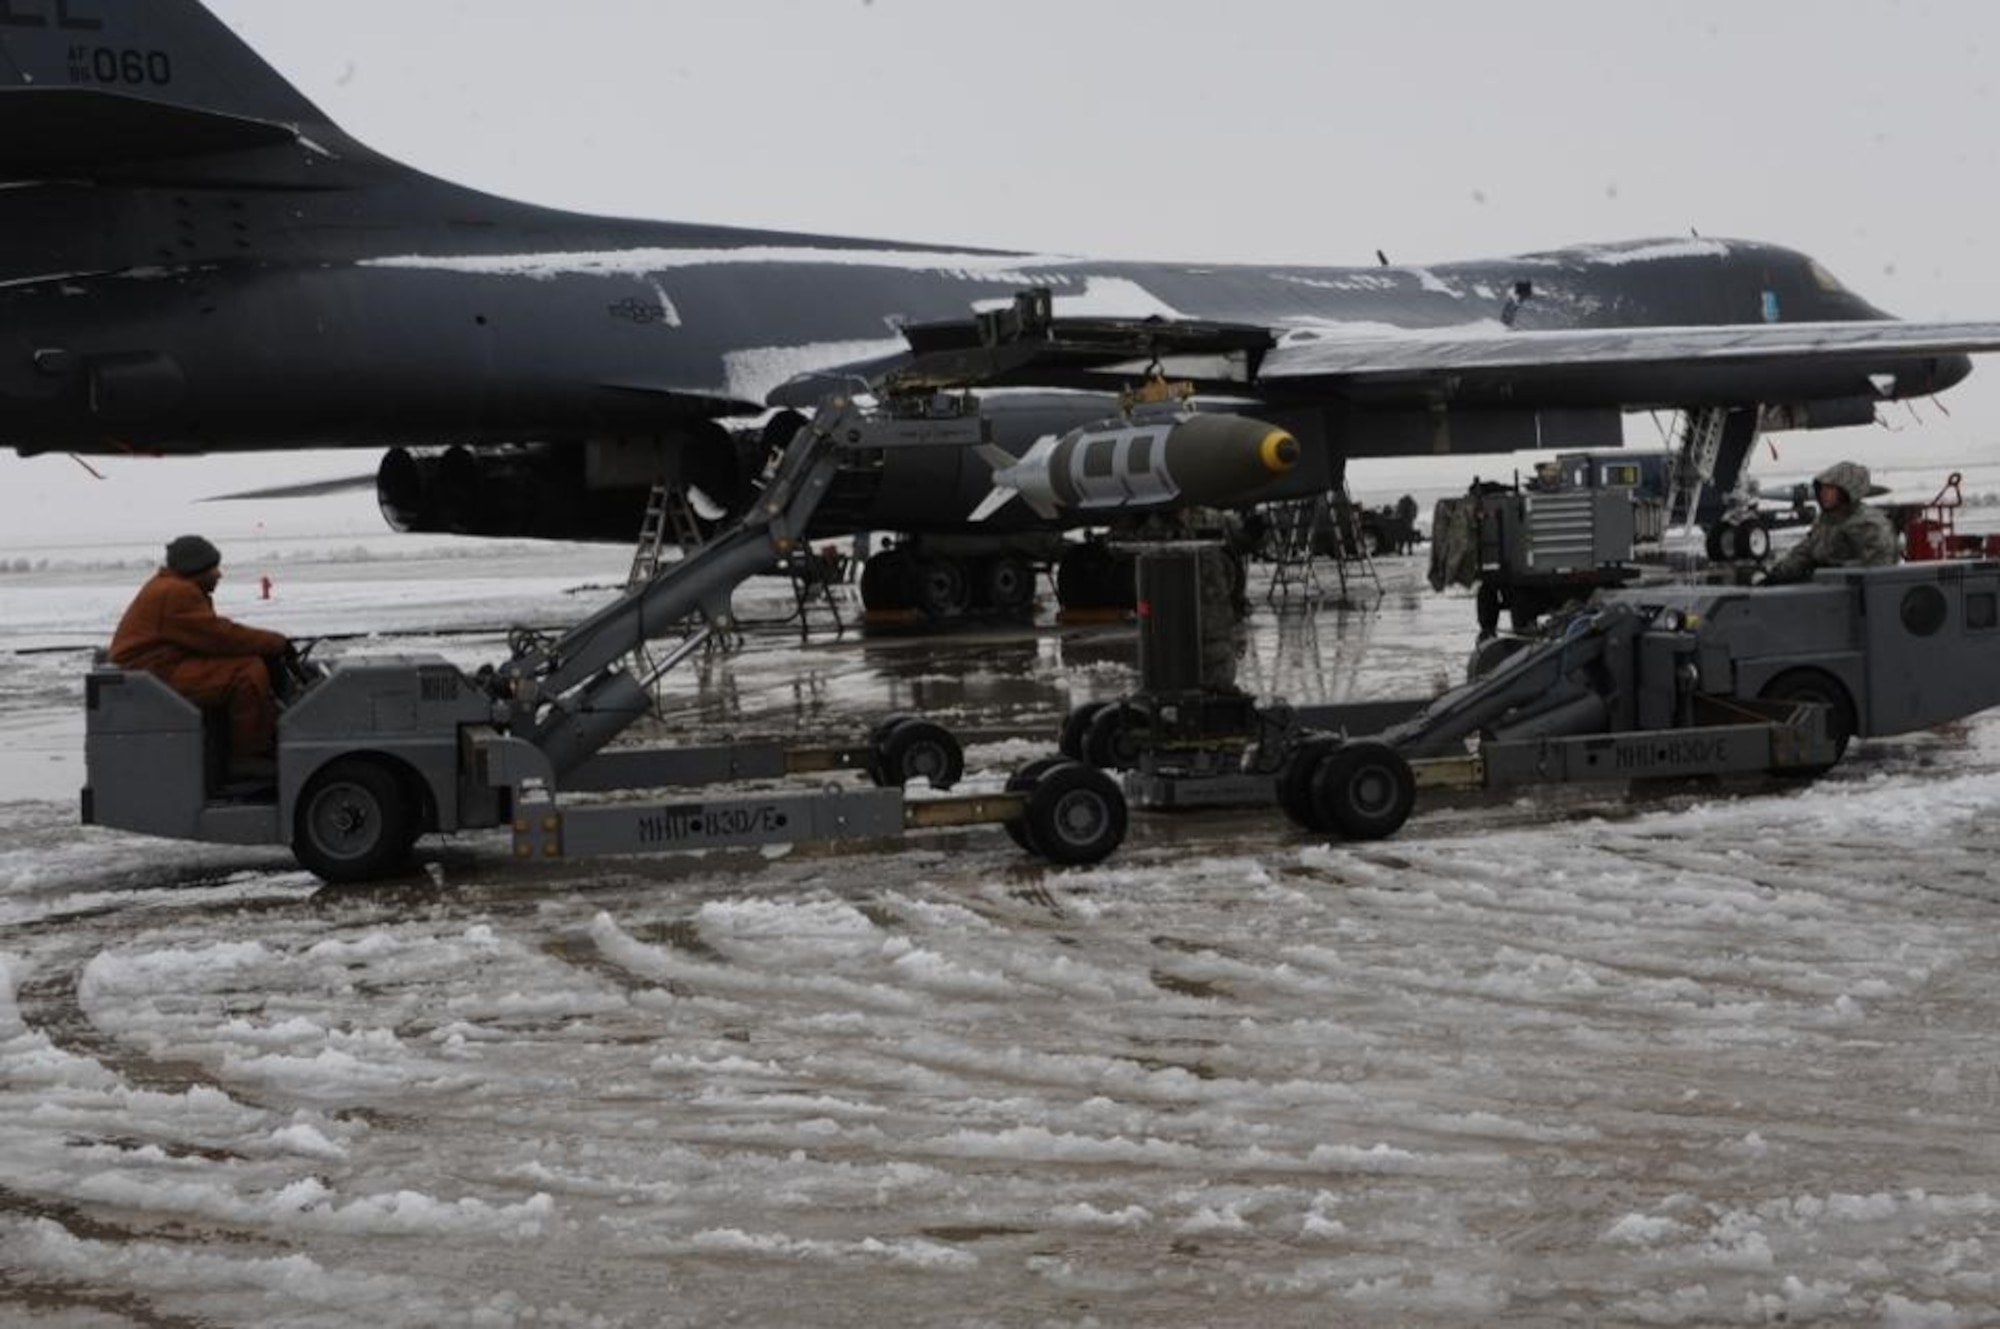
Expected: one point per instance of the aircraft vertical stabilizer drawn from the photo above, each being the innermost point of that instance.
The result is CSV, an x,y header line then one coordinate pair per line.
x,y
174,52
88,87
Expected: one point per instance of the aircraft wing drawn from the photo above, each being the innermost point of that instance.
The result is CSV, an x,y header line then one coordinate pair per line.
x,y
340,484
1388,364
1381,366
1025,347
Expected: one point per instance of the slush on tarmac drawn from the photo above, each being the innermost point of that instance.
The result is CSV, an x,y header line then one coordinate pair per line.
x,y
1679,1057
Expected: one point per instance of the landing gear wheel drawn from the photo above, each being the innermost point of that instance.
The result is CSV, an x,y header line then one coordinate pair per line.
x,y
1075,815
1117,736
1295,783
1364,790
941,588
1007,583
354,822
1752,542
1075,725
1718,542
1815,686
910,748
1020,782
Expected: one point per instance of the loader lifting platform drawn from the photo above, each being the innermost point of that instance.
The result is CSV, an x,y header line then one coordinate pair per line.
x,y
376,752
1645,682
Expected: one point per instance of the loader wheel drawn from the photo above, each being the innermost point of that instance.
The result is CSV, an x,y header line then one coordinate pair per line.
x,y
915,747
1020,782
1075,725
879,733
354,822
1364,790
1076,814
1295,783
1815,686
1117,736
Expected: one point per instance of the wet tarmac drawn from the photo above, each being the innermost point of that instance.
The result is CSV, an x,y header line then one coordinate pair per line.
x,y
1598,1057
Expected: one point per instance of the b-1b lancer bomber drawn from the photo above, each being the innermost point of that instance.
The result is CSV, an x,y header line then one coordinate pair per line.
x,y
197,259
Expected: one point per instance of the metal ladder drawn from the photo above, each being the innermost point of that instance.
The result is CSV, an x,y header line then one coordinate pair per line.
x,y
670,520
1296,527
1293,574
1693,466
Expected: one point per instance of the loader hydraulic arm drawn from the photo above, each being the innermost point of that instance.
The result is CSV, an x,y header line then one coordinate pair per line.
x,y
569,695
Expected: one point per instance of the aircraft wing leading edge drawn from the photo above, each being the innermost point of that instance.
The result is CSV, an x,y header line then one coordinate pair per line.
x,y
1629,367
1312,356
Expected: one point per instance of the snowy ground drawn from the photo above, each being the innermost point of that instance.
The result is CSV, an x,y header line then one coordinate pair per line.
x,y
1597,1059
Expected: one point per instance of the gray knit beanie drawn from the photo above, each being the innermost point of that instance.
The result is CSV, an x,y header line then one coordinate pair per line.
x,y
190,555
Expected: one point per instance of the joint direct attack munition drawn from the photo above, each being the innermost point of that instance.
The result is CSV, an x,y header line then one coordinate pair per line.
x,y
1172,460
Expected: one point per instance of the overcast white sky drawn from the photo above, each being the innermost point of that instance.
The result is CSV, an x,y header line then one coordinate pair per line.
x,y
1249,131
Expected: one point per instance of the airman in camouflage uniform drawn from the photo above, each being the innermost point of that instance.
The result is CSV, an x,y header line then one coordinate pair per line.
x,y
1847,534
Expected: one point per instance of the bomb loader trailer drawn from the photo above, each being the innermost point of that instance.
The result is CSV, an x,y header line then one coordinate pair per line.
x,y
1641,683
375,752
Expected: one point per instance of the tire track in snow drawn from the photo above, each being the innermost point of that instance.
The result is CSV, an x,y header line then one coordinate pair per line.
x,y
50,1003
43,1295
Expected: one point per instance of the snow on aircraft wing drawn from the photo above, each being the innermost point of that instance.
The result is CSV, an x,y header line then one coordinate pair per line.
x,y
1383,365
1378,362
1312,354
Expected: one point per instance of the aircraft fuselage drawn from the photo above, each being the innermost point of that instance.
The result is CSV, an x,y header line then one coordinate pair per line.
x,y
194,258
215,318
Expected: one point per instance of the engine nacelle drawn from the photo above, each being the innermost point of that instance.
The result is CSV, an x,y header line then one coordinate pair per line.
x,y
516,491
594,489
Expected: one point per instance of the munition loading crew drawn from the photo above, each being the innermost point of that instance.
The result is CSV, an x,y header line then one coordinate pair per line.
x,y
1846,534
172,630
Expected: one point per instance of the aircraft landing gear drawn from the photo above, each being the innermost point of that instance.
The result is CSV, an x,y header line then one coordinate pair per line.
x,y
942,590
941,582
1745,541
1007,583
944,587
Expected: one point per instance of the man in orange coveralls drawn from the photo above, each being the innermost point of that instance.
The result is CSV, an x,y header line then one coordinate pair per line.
x,y
172,630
